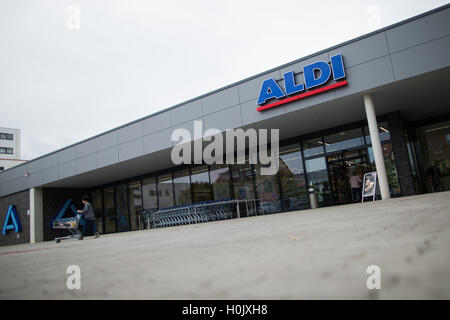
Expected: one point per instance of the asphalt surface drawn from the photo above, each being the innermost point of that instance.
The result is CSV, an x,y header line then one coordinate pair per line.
x,y
311,254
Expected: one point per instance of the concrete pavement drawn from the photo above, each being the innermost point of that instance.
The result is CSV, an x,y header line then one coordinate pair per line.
x,y
321,253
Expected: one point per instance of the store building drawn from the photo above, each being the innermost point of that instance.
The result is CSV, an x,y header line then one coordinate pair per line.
x,y
378,102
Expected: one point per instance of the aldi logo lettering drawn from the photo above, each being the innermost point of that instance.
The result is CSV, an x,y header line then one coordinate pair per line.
x,y
315,75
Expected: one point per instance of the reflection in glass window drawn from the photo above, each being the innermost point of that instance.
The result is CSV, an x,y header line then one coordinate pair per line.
x,y
201,186
97,204
135,203
122,207
165,191
242,181
109,210
220,180
268,192
318,178
383,130
343,140
182,187
313,147
149,196
434,142
292,178
389,163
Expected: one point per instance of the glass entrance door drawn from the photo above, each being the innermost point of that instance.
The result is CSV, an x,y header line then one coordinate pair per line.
x,y
342,167
318,179
339,179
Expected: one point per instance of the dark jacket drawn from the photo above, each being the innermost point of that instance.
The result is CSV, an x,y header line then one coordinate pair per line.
x,y
88,212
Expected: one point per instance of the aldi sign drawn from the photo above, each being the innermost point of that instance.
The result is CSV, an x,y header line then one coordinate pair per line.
x,y
315,76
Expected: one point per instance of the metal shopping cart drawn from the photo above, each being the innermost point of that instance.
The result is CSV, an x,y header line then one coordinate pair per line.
x,y
70,224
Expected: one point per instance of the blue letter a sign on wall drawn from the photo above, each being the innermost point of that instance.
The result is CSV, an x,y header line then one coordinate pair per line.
x,y
15,222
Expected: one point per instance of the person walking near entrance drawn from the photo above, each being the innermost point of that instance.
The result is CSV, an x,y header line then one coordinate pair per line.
x,y
355,183
89,218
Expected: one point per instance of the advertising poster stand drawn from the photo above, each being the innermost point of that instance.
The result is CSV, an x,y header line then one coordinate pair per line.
x,y
369,186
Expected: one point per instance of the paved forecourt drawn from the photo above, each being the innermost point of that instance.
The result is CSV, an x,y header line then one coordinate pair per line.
x,y
320,253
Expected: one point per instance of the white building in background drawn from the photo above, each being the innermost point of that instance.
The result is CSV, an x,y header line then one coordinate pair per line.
x,y
9,148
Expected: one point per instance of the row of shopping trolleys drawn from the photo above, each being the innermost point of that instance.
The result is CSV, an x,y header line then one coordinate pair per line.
x,y
205,211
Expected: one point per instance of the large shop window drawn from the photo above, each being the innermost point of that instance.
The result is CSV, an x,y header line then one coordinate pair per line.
x,y
242,176
383,131
318,179
389,163
109,210
292,178
149,195
201,187
434,142
313,147
122,207
182,187
134,203
220,180
268,192
97,203
343,140
165,191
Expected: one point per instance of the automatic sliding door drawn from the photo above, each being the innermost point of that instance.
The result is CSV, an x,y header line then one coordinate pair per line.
x,y
317,174
110,211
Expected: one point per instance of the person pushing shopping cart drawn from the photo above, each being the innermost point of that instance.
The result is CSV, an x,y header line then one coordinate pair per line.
x,y
89,217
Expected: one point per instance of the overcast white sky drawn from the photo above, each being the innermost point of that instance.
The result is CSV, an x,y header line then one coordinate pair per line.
x,y
131,58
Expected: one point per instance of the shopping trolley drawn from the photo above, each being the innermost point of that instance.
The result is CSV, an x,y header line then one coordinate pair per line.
x,y
70,224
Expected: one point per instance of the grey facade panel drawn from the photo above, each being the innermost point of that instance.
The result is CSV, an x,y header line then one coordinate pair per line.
x,y
14,173
106,141
313,100
85,148
34,166
157,123
131,149
86,163
50,161
7,175
220,100
367,76
187,112
249,90
67,169
421,59
189,126
66,155
50,174
107,157
419,31
225,119
20,184
157,141
35,179
250,115
362,51
19,171
131,132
